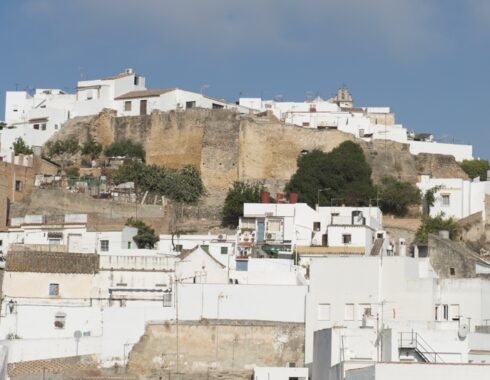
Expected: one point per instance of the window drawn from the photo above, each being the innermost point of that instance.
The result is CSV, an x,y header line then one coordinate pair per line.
x,y
56,126
224,250
60,320
306,124
454,312
136,82
452,271
346,238
43,127
349,312
445,309
274,225
90,95
54,289
36,127
104,245
18,185
178,247
129,245
445,199
190,104
364,310
217,106
316,226
127,105
248,223
323,311
167,300
241,265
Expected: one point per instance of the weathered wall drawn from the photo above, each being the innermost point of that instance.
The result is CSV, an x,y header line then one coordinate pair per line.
x,y
222,345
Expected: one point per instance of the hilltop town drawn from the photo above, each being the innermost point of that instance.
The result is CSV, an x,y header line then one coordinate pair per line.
x,y
167,234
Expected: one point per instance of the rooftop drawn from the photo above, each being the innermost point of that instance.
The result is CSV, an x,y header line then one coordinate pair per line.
x,y
144,93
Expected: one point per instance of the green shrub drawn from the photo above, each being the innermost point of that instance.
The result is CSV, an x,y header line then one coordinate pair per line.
x,y
238,194
20,147
396,196
91,149
62,147
476,168
432,225
146,237
125,148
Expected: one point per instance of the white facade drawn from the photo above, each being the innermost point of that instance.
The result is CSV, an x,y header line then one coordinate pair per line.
x,y
286,227
279,373
456,198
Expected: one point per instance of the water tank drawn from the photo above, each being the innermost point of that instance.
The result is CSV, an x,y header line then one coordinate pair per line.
x,y
293,198
402,247
265,197
280,197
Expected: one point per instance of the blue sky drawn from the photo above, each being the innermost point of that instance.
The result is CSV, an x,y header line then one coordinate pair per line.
x,y
428,60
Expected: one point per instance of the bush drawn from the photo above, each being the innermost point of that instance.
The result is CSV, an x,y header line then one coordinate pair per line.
x,y
20,147
91,149
72,172
238,194
62,147
396,196
432,225
125,148
146,237
344,172
476,168
181,185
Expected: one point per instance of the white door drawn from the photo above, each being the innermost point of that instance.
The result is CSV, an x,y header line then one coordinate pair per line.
x,y
74,243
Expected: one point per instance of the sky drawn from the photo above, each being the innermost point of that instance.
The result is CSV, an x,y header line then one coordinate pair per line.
x,y
429,60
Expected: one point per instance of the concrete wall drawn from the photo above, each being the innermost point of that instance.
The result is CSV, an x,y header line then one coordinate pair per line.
x,y
225,345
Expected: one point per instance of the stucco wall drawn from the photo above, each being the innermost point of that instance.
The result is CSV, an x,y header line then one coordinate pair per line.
x,y
223,345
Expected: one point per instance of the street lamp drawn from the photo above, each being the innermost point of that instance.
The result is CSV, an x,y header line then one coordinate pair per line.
x,y
318,195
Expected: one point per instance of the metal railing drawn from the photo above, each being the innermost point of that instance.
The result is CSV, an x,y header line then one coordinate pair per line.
x,y
414,341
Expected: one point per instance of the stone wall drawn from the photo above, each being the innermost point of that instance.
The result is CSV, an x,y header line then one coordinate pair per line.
x,y
221,347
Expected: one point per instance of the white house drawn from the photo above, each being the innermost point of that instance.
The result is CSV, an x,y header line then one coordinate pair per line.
x,y
281,229
455,197
368,123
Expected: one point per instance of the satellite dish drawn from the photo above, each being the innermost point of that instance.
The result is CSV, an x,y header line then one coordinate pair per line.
x,y
77,334
463,332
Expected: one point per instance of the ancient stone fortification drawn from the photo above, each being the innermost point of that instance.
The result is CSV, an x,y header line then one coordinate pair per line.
x,y
218,347
227,147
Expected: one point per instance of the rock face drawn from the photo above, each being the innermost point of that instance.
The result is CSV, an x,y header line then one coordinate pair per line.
x,y
227,147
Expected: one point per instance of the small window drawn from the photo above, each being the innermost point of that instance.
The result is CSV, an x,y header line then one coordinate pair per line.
x,y
18,185
445,200
56,126
365,310
306,124
104,245
349,312
190,104
43,127
127,105
178,247
60,320
323,311
316,226
16,110
454,312
90,95
136,82
129,245
445,310
274,225
54,289
346,238
452,271
224,250
241,265
36,127
217,106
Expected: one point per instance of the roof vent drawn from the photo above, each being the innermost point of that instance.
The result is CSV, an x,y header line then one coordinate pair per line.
x,y
129,71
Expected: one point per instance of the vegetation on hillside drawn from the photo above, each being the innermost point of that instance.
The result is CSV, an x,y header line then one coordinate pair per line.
x,y
20,147
432,225
238,194
181,185
342,176
476,168
125,148
62,147
397,196
91,149
146,237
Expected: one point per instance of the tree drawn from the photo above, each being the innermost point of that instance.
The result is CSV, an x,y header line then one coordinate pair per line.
x,y
476,168
91,149
63,147
125,148
238,194
432,225
20,147
429,198
396,196
146,237
343,174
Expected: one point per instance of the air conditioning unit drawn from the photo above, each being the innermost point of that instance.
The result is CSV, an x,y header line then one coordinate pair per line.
x,y
221,237
270,236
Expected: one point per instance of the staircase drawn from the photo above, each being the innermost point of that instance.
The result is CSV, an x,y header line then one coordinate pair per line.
x,y
412,344
376,249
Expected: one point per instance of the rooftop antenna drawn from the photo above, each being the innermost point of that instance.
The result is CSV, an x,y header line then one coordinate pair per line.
x,y
203,87
82,73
